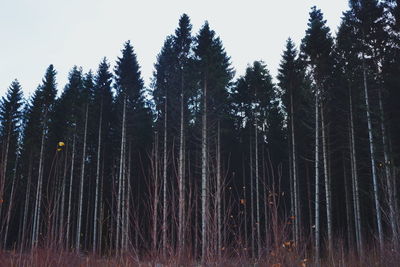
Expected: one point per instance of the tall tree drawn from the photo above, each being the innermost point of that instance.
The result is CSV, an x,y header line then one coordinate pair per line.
x,y
135,133
10,118
165,81
214,75
103,99
290,83
182,45
46,94
317,47
86,99
370,26
348,61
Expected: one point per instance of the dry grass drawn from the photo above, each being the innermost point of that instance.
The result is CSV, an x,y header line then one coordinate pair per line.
x,y
287,255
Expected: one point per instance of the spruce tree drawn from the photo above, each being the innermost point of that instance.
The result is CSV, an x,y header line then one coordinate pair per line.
x,y
215,73
10,126
317,48
102,109
46,98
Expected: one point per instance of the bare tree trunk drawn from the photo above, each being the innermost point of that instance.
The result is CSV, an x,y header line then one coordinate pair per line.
x,y
26,205
126,194
121,176
164,224
181,174
251,202
36,220
10,206
265,199
393,221
257,189
196,219
349,228
219,191
354,174
245,205
372,156
70,191
317,226
291,186
327,182
4,165
101,220
204,174
61,226
96,198
155,194
294,173
78,230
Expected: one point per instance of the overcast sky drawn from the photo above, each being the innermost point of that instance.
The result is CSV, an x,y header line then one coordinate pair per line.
x,y
36,33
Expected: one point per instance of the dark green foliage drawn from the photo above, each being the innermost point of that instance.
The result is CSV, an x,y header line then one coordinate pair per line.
x,y
317,46
10,127
10,112
213,68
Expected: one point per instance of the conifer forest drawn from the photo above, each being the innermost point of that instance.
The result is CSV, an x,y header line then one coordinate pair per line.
x,y
205,167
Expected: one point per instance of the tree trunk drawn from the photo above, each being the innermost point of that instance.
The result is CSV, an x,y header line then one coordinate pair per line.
x,y
327,182
96,197
181,174
155,194
349,227
265,199
251,202
372,157
317,232
70,191
78,230
26,205
219,191
354,174
10,206
121,176
4,165
392,211
36,220
204,174
257,189
61,226
245,205
164,224
294,173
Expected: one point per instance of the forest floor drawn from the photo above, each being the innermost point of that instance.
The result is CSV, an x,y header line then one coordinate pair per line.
x,y
280,258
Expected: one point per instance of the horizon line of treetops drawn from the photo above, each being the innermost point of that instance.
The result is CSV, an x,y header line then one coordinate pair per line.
x,y
210,165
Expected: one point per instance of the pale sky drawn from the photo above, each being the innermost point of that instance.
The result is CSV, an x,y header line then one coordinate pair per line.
x,y
36,33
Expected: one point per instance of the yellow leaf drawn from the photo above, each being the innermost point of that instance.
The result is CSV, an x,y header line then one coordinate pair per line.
x,y
61,144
